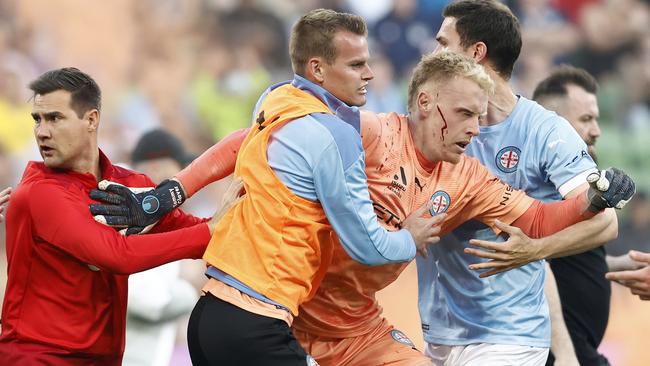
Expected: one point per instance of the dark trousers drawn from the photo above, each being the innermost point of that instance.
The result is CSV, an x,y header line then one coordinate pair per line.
x,y
585,295
222,334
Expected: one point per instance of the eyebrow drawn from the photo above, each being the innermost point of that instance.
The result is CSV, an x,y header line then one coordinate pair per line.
x,y
466,109
48,115
361,60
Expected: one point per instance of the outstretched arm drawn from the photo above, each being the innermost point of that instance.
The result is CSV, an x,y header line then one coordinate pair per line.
x,y
140,209
70,229
214,164
637,281
555,218
622,263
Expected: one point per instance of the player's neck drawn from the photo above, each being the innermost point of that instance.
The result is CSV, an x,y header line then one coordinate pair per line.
x,y
416,137
89,163
501,103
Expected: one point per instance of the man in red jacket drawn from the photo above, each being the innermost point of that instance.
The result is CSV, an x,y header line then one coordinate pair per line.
x,y
66,295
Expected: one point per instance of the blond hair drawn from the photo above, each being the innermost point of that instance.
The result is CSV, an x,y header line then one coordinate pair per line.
x,y
443,67
314,32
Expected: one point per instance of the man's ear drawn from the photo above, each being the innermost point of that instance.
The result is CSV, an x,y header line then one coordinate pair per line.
x,y
92,116
314,70
424,102
479,51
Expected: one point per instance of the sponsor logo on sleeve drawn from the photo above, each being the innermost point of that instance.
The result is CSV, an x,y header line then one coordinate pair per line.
x,y
581,155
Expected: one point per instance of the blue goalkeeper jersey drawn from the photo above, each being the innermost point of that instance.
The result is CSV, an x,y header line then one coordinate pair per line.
x,y
534,150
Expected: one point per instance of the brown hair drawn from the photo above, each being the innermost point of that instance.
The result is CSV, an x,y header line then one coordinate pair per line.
x,y
84,91
312,35
492,23
556,83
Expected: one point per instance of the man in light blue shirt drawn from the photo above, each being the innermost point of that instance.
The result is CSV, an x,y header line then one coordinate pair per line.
x,y
502,319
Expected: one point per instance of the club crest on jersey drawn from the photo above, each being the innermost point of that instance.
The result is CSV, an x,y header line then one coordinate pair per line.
x,y
507,159
401,338
311,361
441,202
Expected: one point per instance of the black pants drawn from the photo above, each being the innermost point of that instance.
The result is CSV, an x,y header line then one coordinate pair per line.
x,y
585,295
221,334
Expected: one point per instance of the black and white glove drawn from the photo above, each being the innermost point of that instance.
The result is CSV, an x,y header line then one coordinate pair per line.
x,y
609,188
136,209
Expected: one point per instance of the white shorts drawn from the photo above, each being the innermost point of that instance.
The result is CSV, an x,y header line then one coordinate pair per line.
x,y
485,354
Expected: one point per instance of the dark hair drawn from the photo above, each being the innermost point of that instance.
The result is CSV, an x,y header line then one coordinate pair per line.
x,y
312,35
556,83
159,143
85,93
492,23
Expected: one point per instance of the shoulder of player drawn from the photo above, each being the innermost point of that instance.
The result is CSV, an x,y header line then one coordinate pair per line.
x,y
327,129
375,125
38,176
373,119
42,193
541,120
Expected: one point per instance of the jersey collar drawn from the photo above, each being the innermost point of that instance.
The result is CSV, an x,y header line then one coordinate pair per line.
x,y
349,114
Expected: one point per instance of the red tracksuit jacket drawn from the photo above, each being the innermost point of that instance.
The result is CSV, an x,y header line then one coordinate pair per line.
x,y
57,310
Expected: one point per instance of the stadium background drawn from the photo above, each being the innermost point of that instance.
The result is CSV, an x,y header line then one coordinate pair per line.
x,y
196,67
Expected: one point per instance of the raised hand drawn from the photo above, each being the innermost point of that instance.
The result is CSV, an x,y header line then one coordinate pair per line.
x,y
425,230
137,209
609,188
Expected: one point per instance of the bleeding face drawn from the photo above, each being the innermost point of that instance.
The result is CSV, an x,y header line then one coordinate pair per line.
x,y
348,75
451,118
64,140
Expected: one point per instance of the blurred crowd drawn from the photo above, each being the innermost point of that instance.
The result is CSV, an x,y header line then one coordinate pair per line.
x,y
197,67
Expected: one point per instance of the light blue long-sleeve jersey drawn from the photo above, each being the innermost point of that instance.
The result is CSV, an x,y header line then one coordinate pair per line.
x,y
533,150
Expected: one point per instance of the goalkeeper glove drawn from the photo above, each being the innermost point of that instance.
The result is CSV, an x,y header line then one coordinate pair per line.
x,y
137,209
609,188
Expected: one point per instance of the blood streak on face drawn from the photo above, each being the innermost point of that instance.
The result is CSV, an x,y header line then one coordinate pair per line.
x,y
444,127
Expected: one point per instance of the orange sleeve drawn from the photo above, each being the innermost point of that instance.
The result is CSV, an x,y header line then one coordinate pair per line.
x,y
215,163
491,198
543,219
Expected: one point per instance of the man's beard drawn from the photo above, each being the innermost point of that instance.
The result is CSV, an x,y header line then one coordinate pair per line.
x,y
591,149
